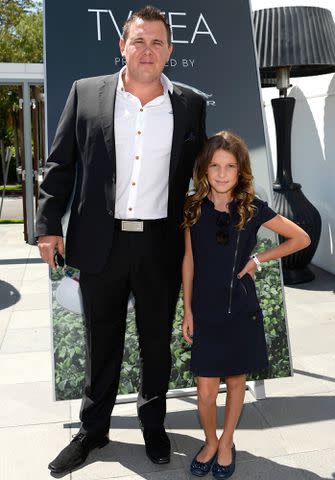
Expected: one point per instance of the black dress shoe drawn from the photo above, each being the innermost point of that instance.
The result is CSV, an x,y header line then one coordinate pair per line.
x,y
76,452
157,445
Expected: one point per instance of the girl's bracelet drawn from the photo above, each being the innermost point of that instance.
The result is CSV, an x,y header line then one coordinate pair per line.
x,y
258,263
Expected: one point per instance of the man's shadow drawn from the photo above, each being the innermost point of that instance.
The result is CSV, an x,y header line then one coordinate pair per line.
x,y
9,295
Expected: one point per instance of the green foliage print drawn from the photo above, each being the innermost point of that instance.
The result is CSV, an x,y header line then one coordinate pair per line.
x,y
69,343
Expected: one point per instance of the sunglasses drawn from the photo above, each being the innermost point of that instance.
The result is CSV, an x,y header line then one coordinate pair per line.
x,y
222,236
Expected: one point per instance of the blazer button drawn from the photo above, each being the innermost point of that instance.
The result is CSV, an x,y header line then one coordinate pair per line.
x,y
254,317
110,212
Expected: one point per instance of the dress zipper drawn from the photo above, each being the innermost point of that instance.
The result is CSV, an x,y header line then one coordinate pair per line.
x,y
233,272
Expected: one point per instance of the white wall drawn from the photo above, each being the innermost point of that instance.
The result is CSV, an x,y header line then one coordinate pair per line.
x,y
313,139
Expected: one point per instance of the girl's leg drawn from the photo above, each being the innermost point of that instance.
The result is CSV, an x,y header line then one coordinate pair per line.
x,y
235,397
207,393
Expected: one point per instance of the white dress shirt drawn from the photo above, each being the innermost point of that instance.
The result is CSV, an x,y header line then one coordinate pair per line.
x,y
143,139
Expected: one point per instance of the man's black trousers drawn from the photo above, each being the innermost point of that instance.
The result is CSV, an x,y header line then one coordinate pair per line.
x,y
138,263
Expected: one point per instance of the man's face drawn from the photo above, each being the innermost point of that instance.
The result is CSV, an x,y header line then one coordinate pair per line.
x,y
146,50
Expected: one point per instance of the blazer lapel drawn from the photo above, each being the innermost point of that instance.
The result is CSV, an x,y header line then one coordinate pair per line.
x,y
107,95
179,115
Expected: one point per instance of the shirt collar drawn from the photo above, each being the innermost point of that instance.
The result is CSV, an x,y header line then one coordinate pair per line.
x,y
166,83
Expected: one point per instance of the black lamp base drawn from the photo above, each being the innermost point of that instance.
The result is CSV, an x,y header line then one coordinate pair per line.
x,y
294,276
293,204
289,199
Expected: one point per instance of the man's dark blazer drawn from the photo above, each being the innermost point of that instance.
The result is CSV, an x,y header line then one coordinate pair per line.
x,y
82,158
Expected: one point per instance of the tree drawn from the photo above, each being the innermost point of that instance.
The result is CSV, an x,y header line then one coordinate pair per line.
x,y
21,36
21,41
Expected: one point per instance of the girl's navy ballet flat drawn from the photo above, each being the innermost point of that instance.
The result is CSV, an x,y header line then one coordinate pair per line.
x,y
200,469
224,471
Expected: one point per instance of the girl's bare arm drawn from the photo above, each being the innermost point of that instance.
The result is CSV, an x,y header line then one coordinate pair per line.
x,y
187,272
187,275
296,239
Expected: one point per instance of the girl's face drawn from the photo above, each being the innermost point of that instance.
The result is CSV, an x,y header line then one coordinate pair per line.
x,y
222,172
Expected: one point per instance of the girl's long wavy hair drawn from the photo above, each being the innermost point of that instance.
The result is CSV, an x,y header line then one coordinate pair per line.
x,y
243,193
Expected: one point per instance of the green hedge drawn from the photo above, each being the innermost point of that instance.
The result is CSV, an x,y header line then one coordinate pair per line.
x,y
11,188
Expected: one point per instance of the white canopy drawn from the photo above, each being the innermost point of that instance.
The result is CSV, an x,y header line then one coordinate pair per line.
x,y
13,73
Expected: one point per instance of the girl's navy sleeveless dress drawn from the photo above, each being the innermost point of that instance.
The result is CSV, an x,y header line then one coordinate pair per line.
x,y
228,335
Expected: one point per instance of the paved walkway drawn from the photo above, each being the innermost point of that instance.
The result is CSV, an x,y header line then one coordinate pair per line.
x,y
12,208
290,435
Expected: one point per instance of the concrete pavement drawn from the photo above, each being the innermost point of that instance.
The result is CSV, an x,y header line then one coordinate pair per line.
x,y
289,435
12,208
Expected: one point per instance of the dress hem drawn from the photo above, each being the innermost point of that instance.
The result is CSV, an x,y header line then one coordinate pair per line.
x,y
245,371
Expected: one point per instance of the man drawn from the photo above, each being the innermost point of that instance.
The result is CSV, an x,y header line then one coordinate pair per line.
x,y
126,143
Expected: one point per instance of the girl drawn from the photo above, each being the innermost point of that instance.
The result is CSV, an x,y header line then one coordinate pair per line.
x,y
222,317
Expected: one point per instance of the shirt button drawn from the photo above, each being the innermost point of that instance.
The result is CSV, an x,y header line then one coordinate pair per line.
x,y
139,132
137,157
141,109
133,184
130,209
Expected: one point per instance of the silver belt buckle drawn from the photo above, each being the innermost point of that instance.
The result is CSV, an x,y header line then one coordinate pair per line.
x,y
131,226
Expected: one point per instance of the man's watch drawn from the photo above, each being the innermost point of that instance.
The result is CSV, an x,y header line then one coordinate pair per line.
x,y
258,263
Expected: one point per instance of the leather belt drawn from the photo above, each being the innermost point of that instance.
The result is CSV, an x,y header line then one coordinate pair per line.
x,y
138,225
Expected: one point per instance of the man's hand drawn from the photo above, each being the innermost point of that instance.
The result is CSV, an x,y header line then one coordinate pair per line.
x,y
48,245
188,328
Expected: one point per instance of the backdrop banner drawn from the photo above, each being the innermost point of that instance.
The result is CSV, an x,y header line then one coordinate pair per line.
x,y
214,54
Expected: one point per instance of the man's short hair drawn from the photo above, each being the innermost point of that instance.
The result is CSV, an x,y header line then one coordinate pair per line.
x,y
148,13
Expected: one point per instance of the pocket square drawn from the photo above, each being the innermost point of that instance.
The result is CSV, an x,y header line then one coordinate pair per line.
x,y
189,137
